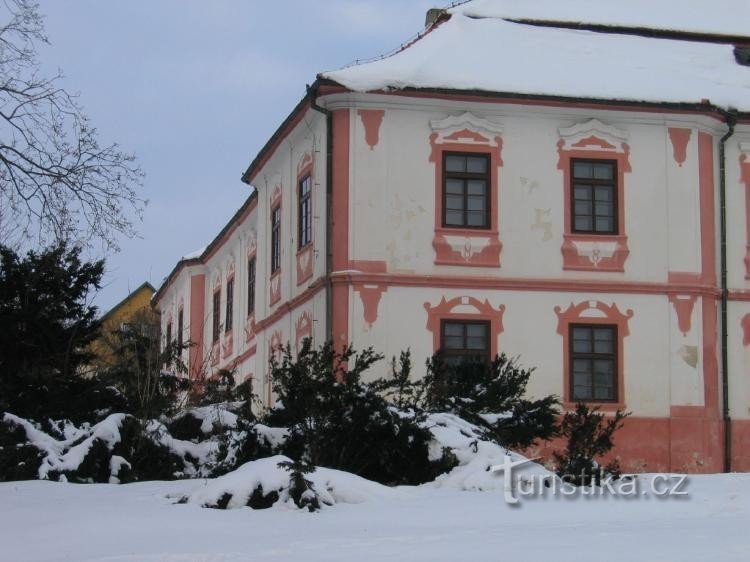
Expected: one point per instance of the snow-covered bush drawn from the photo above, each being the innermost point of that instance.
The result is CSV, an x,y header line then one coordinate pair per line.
x,y
117,449
268,482
493,396
334,419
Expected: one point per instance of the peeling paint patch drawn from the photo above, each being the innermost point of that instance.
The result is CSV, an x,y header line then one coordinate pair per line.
x,y
689,354
542,223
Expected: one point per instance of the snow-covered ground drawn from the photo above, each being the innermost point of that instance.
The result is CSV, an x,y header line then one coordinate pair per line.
x,y
141,522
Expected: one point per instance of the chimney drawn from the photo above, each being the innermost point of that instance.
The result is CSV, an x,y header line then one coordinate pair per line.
x,y
433,15
741,54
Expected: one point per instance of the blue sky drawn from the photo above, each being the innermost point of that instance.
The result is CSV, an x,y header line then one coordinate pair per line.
x,y
195,88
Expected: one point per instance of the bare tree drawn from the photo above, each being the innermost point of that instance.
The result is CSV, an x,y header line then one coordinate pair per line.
x,y
56,181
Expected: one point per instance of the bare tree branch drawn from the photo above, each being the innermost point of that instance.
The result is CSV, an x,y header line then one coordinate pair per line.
x,y
56,181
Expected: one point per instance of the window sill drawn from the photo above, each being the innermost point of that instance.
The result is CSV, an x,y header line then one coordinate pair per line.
x,y
274,287
304,263
467,247
228,345
595,252
602,406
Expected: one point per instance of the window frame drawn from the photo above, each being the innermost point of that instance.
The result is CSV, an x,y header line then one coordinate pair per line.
x,y
216,317
275,239
486,177
593,183
304,212
229,306
466,352
614,357
180,328
251,272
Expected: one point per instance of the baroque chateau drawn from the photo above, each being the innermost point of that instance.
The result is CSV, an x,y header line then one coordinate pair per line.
x,y
571,191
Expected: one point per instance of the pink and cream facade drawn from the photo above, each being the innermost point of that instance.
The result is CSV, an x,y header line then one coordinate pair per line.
x,y
582,235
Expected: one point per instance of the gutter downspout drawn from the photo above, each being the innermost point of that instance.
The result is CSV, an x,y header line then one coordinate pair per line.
x,y
731,120
312,92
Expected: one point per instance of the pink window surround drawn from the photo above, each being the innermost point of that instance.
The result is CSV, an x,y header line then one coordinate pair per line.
x,y
593,140
466,133
305,254
593,312
745,180
465,308
275,349
302,329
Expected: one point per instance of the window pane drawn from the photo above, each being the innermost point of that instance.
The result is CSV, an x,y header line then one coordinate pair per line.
x,y
603,171
476,203
476,164
583,208
476,343
604,224
604,393
453,329
581,393
475,218
582,193
454,218
455,163
603,340
453,342
583,223
603,347
454,202
476,330
454,186
603,209
581,346
603,334
477,187
603,193
583,170
603,368
582,368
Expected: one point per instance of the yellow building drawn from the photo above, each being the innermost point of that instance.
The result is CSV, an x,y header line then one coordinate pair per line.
x,y
134,309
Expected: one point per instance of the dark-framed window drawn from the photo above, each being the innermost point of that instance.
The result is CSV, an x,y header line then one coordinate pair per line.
x,y
275,239
304,222
169,333
180,328
229,311
251,286
593,362
466,190
594,193
216,316
465,340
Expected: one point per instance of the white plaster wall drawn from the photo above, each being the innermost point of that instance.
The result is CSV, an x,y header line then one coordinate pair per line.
x,y
392,191
530,332
168,305
736,214
739,362
309,136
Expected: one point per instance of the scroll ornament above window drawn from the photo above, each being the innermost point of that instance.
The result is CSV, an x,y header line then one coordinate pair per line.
x,y
466,152
594,158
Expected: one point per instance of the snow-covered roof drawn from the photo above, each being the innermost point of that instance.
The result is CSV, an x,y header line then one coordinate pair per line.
x,y
496,55
718,17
